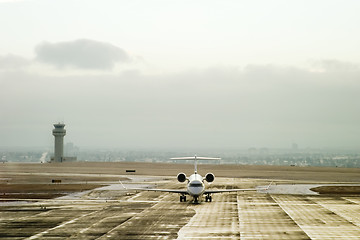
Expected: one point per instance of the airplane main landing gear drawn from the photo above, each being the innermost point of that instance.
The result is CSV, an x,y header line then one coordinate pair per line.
x,y
208,198
182,198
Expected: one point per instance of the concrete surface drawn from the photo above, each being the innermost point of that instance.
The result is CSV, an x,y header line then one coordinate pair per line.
x,y
288,211
114,213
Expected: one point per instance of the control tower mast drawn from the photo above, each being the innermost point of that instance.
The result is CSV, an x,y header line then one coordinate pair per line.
x,y
59,132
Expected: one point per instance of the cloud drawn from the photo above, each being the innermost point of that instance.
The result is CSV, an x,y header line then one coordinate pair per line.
x,y
12,1
261,105
81,53
333,65
12,61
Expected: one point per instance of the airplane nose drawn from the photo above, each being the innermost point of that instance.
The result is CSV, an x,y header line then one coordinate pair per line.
x,y
196,188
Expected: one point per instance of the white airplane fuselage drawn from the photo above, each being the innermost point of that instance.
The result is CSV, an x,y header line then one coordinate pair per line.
x,y
195,186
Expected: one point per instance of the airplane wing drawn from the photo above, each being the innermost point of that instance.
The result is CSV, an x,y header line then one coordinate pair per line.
x,y
160,190
185,192
237,189
210,191
156,189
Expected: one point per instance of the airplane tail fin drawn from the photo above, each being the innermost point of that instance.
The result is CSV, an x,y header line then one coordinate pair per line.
x,y
195,158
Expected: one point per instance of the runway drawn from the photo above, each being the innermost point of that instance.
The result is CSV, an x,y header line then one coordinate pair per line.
x,y
288,211
112,214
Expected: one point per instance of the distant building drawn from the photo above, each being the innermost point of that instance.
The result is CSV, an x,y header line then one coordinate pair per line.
x,y
59,132
71,149
252,151
264,151
294,146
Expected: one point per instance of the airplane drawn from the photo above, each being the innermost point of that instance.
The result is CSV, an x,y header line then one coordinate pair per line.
x,y
195,183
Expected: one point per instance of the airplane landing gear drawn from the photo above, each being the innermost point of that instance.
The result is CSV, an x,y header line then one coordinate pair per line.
x,y
196,200
208,198
182,198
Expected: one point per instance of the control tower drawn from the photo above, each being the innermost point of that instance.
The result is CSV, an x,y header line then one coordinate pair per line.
x,y
59,132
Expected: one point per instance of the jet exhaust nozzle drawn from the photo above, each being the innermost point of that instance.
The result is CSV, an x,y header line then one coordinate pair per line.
x,y
181,177
209,177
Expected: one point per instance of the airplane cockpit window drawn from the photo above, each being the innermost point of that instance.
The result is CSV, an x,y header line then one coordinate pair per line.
x,y
195,185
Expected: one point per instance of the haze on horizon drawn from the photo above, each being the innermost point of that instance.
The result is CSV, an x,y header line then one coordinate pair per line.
x,y
181,74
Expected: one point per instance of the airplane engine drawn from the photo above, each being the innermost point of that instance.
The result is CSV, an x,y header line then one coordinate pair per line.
x,y
209,177
181,177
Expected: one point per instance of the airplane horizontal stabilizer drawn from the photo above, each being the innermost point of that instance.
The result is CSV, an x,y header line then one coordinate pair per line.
x,y
195,158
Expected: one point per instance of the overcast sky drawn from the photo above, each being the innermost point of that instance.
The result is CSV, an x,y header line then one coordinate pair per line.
x,y
181,74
